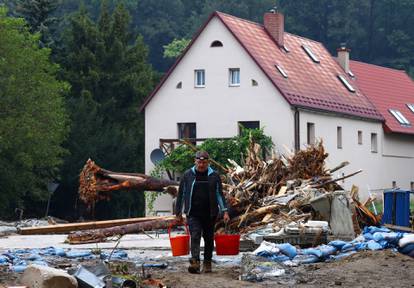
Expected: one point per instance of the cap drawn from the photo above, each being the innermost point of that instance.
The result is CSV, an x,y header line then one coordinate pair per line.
x,y
202,155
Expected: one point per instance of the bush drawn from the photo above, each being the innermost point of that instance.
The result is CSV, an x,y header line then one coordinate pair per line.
x,y
235,148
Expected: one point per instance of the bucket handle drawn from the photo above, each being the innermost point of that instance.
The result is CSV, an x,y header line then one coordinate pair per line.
x,y
171,225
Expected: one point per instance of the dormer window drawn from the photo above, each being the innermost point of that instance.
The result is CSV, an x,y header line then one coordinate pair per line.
x,y
400,117
199,78
411,107
234,77
346,83
281,71
310,54
216,43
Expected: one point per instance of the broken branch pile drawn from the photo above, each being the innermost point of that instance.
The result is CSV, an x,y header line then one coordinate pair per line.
x,y
277,191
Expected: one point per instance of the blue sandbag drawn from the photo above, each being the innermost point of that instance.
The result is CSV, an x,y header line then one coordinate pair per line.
x,y
287,249
19,268
361,246
327,250
374,229
312,251
33,257
53,251
3,259
306,259
407,248
39,262
348,247
372,245
341,255
368,236
79,254
338,244
391,237
118,254
279,258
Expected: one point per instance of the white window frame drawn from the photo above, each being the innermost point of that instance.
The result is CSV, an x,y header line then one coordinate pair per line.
x,y
339,137
374,143
281,71
234,81
399,116
310,53
360,137
310,133
199,74
411,107
346,83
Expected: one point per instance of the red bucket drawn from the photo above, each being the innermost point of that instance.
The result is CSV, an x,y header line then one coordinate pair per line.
x,y
227,244
180,244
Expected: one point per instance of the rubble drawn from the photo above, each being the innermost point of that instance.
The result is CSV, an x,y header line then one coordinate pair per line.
x,y
37,276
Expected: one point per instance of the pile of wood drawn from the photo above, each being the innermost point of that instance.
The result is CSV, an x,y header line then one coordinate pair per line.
x,y
277,191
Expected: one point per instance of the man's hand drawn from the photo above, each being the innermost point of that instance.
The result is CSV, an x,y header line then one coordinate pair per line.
x,y
226,217
179,218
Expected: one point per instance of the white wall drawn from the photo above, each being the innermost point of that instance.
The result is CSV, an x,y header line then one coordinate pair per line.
x,y
217,108
379,169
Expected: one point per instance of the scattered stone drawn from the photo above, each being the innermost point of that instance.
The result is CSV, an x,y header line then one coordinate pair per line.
x,y
338,283
36,276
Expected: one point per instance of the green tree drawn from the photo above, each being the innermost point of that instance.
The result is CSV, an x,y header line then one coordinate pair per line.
x,y
107,68
38,15
175,48
33,121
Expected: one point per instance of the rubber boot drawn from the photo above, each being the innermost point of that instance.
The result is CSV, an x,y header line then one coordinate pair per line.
x,y
207,267
194,267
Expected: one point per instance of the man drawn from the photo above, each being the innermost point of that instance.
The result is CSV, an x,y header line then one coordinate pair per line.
x,y
202,194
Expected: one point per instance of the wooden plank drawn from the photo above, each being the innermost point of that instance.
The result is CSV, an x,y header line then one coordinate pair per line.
x,y
401,228
66,228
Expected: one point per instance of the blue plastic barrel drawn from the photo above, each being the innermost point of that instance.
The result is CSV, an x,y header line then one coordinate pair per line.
x,y
396,207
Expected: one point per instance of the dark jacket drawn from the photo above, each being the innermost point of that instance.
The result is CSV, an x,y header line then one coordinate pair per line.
x,y
185,192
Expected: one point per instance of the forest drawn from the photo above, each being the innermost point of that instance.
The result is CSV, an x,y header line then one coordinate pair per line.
x,y
73,74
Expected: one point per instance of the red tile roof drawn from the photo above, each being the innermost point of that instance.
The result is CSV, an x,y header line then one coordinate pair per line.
x,y
310,85
387,89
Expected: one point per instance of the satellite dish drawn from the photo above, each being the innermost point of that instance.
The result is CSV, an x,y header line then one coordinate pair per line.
x,y
157,156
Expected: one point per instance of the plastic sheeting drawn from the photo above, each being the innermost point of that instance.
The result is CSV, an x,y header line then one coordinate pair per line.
x,y
373,238
19,259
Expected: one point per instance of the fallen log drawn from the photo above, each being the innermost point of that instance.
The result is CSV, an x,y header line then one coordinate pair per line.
x,y
66,228
100,235
93,180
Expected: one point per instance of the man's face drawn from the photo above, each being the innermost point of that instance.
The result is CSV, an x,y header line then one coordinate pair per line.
x,y
201,164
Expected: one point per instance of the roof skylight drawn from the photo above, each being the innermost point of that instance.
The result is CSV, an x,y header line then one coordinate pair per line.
x,y
399,116
286,49
281,71
351,74
411,107
310,54
346,83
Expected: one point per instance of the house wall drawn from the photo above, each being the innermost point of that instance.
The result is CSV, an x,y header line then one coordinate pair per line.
x,y
393,162
217,108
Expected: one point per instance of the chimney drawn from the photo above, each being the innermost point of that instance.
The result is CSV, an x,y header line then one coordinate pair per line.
x,y
343,57
274,24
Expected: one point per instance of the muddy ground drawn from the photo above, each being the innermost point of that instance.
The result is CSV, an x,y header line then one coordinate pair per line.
x,y
363,269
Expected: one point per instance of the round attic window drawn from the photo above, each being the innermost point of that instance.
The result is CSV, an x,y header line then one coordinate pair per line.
x,y
216,43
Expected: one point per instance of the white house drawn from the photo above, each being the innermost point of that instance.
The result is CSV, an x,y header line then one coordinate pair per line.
x,y
237,71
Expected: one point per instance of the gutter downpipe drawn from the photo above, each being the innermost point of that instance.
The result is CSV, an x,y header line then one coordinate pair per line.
x,y
297,129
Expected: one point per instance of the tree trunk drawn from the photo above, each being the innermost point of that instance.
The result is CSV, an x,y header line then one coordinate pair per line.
x,y
100,235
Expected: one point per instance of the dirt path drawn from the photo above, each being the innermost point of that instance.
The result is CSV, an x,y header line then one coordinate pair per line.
x,y
363,269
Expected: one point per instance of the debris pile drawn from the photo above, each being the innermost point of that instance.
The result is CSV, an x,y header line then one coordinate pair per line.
x,y
279,191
